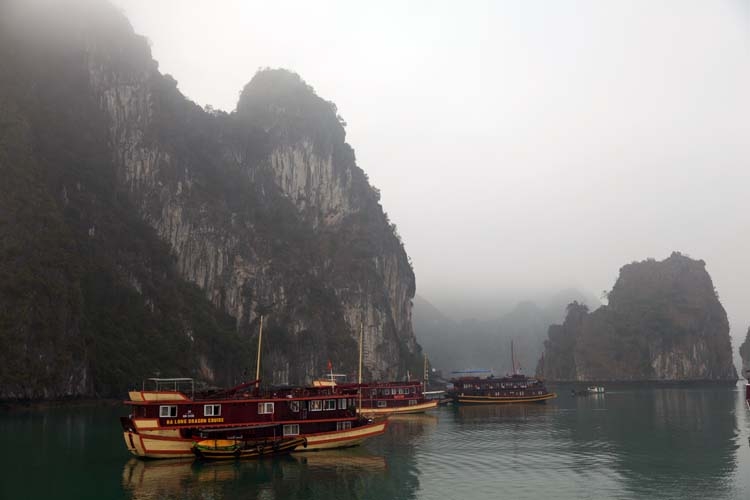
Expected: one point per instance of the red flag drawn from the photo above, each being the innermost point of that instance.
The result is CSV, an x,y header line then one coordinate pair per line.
x,y
330,365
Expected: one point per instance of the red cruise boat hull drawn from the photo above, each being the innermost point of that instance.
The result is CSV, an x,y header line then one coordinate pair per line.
x,y
166,424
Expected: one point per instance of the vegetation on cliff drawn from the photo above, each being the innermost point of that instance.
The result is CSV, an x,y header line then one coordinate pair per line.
x,y
663,321
141,235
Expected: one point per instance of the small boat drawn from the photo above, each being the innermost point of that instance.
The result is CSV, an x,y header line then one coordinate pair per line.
x,y
232,449
589,391
439,396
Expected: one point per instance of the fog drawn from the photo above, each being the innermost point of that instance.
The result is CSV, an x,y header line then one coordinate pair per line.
x,y
518,146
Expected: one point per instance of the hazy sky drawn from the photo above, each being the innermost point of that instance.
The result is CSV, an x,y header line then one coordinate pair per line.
x,y
521,144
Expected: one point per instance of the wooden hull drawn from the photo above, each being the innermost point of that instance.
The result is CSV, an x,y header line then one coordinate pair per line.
x,y
147,445
343,439
213,449
463,399
399,410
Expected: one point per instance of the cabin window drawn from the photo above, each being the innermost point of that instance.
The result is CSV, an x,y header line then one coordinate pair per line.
x,y
167,411
316,405
342,404
330,404
341,426
412,402
386,392
294,406
291,429
373,393
265,408
381,404
211,410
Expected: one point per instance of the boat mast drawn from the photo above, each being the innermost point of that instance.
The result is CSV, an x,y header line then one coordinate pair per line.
x,y
260,343
359,377
512,356
361,334
426,374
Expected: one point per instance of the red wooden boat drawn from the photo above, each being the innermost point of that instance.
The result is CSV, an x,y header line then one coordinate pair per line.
x,y
516,388
379,399
389,398
165,422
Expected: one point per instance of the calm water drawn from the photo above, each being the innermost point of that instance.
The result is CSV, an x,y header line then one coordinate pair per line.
x,y
631,443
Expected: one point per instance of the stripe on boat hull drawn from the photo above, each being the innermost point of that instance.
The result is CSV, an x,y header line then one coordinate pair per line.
x,y
499,400
400,410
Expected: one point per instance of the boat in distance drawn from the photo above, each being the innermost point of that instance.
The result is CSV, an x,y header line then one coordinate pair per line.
x,y
233,449
165,422
381,399
514,388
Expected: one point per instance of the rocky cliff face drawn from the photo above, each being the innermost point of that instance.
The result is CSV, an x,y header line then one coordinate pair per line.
x,y
664,321
264,208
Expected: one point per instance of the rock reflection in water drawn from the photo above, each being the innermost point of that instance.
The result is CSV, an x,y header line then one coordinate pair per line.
x,y
651,436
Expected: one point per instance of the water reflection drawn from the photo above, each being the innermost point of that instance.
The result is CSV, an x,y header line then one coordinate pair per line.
x,y
633,443
336,461
651,437
500,412
325,474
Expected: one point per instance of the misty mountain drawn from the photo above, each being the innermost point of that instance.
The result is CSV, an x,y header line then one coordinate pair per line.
x,y
477,343
142,235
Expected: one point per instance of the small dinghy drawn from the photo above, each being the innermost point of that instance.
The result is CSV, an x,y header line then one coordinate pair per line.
x,y
231,449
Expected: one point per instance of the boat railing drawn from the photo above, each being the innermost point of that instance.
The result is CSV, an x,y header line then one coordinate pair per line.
x,y
175,384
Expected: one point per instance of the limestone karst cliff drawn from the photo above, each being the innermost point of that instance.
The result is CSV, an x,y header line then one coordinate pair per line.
x,y
663,321
143,235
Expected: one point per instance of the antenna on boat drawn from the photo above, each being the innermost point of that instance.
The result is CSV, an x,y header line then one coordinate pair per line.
x,y
260,343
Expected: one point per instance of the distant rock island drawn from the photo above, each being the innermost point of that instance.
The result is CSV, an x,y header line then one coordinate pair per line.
x,y
663,322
